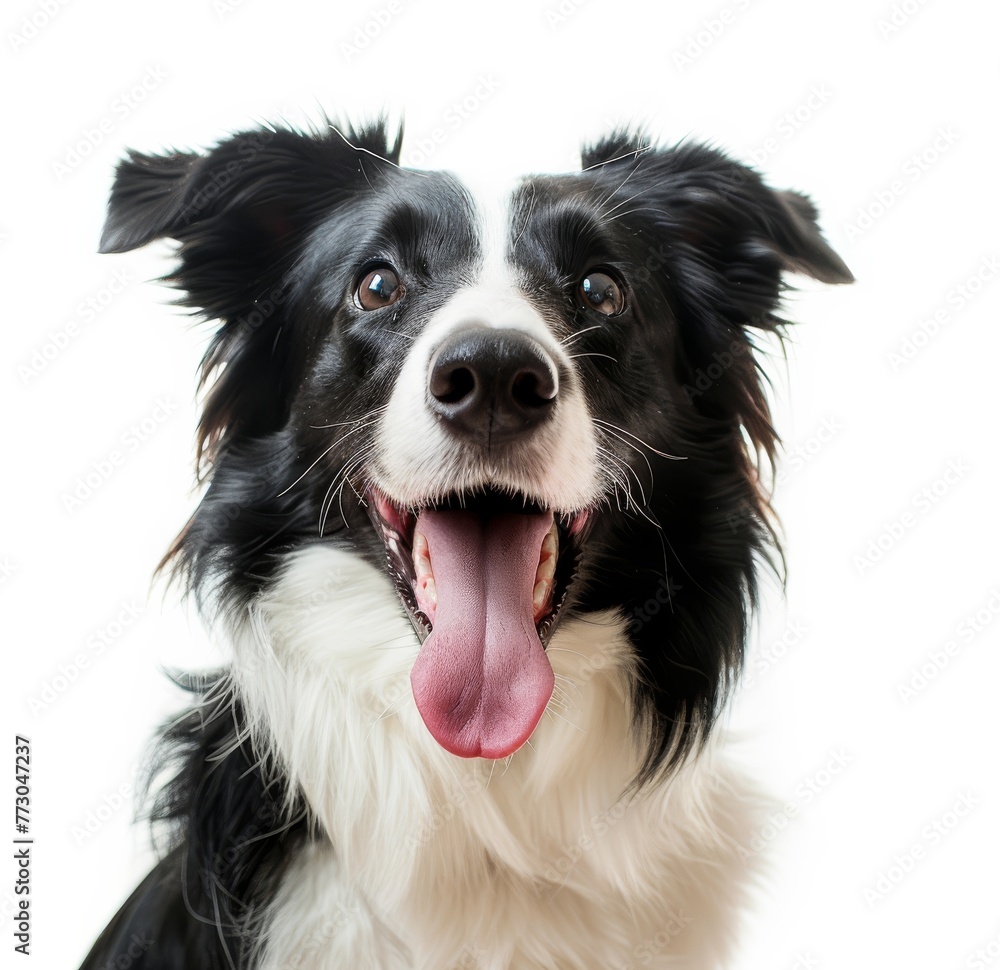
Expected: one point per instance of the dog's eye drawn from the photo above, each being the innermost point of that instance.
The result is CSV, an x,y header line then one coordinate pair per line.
x,y
600,291
379,287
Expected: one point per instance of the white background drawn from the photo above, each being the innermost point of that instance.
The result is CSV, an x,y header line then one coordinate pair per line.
x,y
891,128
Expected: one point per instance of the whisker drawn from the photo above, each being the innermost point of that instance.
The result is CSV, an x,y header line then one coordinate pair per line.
x,y
641,208
614,427
574,336
322,455
628,468
614,360
527,219
621,185
567,720
623,466
338,482
341,424
576,653
635,152
381,158
572,683
340,440
631,198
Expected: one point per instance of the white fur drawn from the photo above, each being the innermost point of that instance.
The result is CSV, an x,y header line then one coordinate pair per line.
x,y
426,860
416,460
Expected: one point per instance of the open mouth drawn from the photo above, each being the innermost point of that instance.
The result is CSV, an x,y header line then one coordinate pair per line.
x,y
484,578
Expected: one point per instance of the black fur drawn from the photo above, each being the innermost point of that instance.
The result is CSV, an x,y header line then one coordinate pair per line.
x,y
273,228
229,833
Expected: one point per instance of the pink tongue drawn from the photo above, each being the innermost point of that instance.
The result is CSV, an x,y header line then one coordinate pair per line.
x,y
482,679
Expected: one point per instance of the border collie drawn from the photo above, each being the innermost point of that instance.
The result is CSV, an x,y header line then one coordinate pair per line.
x,y
482,529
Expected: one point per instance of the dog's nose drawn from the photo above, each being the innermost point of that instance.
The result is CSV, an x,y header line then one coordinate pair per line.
x,y
492,384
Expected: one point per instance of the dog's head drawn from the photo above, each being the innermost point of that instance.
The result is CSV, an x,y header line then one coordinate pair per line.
x,y
522,407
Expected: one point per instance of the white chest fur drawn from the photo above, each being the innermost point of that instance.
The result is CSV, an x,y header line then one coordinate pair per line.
x,y
432,861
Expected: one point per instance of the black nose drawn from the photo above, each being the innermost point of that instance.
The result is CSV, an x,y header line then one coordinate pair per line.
x,y
492,384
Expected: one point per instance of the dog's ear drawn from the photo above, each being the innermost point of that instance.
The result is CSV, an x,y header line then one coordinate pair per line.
x,y
722,241
239,211
242,214
149,199
720,206
796,235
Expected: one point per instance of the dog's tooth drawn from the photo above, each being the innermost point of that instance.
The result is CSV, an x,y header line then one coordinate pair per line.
x,y
540,597
428,590
421,556
548,556
550,544
546,569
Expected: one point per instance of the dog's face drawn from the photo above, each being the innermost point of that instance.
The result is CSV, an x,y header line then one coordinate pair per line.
x,y
521,406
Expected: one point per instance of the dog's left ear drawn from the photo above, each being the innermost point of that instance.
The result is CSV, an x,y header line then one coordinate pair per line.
x,y
721,209
724,242
793,229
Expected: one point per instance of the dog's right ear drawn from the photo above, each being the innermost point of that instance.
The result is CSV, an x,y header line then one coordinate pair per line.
x,y
150,198
243,214
242,211
257,174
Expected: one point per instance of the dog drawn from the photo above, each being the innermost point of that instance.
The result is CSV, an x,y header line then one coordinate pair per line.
x,y
482,527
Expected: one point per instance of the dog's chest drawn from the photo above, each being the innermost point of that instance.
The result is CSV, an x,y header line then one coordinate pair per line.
x,y
437,862
644,883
